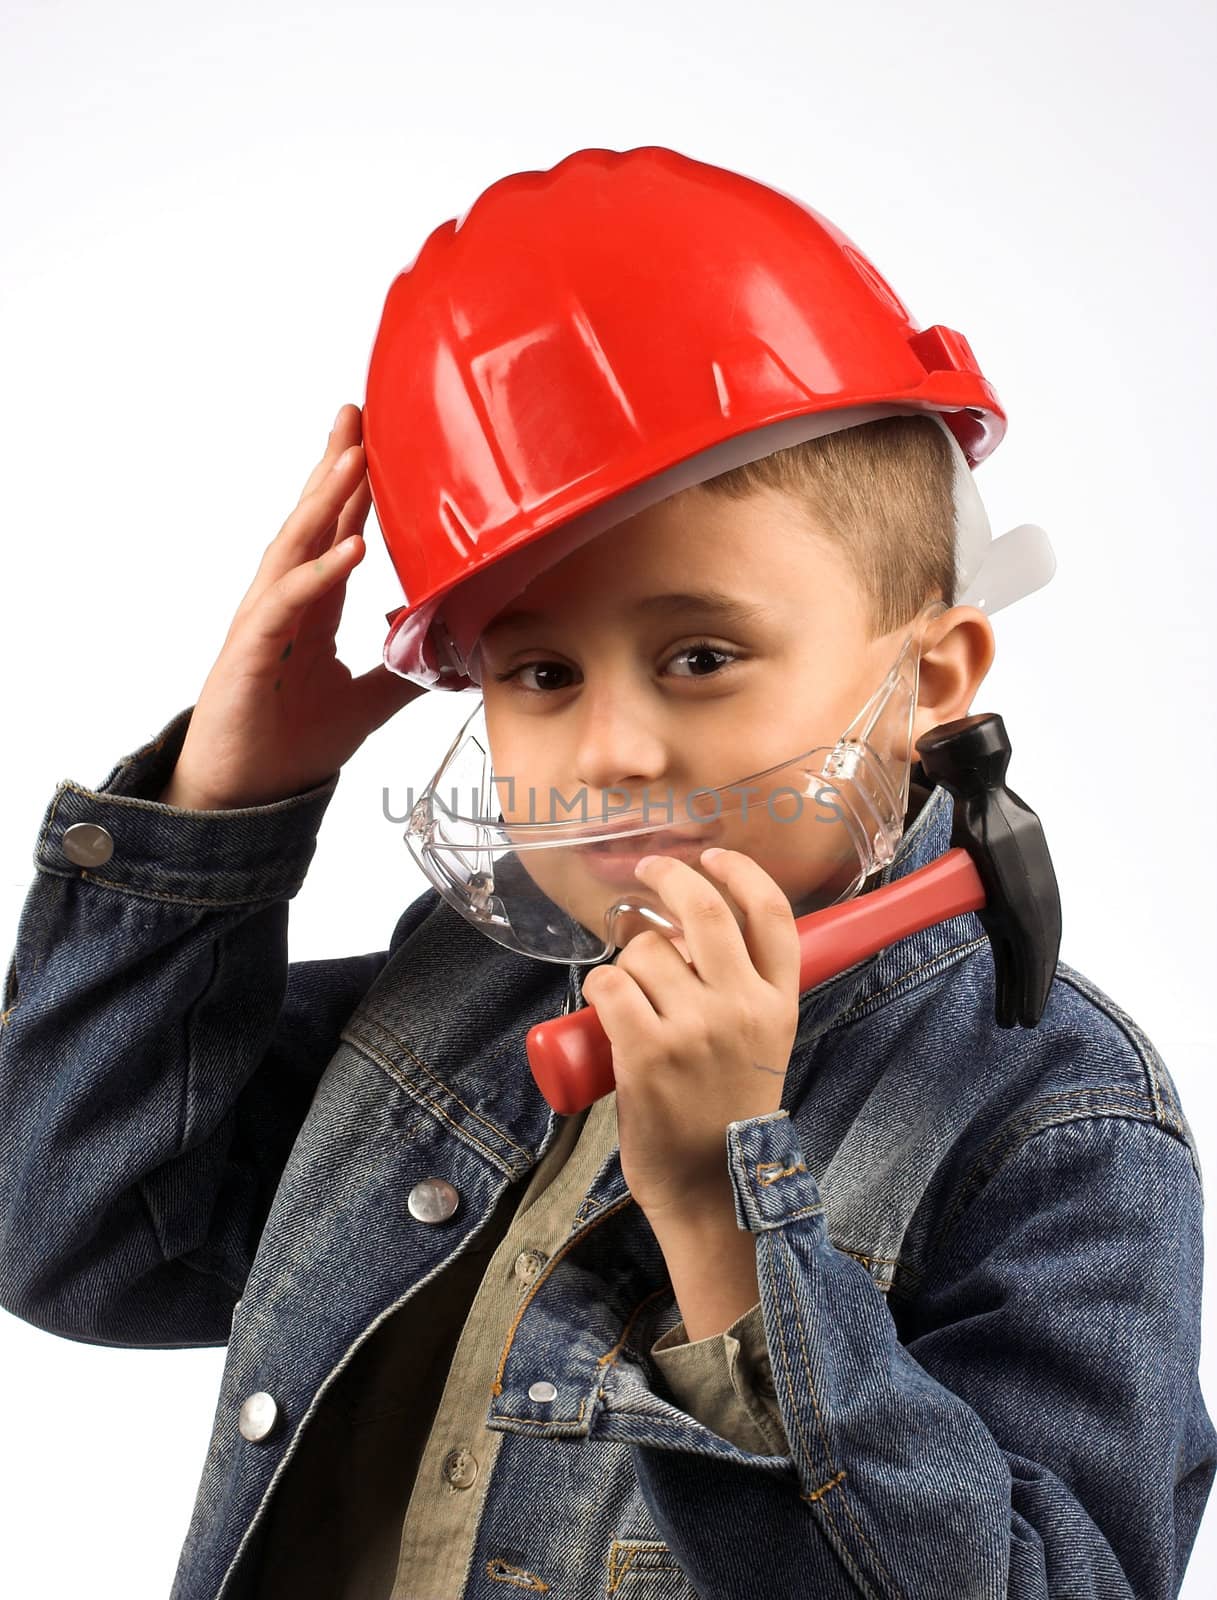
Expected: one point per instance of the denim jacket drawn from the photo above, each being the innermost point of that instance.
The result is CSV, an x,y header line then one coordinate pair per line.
x,y
978,1250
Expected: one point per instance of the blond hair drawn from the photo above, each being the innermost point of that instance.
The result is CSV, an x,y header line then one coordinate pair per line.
x,y
884,493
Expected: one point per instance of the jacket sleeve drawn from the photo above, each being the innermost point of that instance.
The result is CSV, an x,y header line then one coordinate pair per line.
x,y
1036,1430
158,1053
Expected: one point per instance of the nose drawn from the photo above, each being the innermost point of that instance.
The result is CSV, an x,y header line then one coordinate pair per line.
x,y
622,743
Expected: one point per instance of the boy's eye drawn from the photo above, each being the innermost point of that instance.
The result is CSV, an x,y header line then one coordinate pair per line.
x,y
701,650
698,652
534,666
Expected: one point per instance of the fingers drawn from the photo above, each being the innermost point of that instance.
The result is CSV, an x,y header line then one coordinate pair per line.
x,y
626,1008
324,616
337,478
707,922
769,930
346,431
722,951
307,534
276,615
354,514
652,960
311,526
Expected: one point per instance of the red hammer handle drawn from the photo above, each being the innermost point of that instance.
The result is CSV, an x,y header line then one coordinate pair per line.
x,y
571,1057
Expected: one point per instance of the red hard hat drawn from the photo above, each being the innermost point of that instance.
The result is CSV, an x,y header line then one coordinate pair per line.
x,y
587,328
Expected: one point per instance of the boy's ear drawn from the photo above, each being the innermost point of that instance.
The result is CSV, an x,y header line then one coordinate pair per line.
x,y
958,652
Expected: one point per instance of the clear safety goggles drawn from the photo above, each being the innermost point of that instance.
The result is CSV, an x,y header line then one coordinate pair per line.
x,y
551,875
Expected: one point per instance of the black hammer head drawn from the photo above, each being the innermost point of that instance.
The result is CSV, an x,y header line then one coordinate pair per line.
x,y
1022,911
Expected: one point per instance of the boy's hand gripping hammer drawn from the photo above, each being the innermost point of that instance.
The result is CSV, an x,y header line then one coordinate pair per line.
x,y
998,866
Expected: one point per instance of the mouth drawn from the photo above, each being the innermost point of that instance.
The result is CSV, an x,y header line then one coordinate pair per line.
x,y
619,857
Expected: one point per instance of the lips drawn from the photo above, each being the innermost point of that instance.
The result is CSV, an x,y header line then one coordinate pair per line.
x,y
616,860
642,844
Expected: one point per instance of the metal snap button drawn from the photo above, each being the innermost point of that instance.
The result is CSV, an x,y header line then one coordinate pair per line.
x,y
542,1391
432,1200
258,1416
88,844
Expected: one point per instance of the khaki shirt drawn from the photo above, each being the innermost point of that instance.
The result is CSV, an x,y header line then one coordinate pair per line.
x,y
383,1497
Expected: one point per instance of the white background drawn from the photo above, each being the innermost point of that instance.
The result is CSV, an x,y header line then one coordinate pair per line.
x,y
203,210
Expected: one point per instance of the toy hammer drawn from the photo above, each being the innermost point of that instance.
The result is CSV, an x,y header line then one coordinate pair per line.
x,y
998,866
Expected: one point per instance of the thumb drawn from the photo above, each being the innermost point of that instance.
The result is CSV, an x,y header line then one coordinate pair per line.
x,y
380,694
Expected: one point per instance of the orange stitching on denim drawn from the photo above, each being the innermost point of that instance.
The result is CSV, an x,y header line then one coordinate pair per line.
x,y
883,1288
616,1571
370,1050
818,1494
823,1432
1076,1094
609,1356
621,1559
1141,1043
5,1015
794,1409
845,1505
870,1261
1011,1134
436,1079
786,1374
176,899
126,888
816,1210
958,950
138,802
497,1386
503,1572
1016,1138
782,1172
1014,1135
1086,1106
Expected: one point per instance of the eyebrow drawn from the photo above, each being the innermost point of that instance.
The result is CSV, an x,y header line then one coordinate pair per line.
x,y
724,607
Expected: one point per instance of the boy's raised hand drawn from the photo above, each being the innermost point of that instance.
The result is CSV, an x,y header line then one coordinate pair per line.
x,y
279,713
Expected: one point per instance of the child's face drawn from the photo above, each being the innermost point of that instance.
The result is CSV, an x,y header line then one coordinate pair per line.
x,y
603,689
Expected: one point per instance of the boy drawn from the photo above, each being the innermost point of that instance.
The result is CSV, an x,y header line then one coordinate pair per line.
x,y
912,1310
